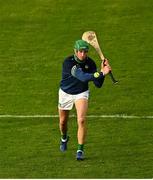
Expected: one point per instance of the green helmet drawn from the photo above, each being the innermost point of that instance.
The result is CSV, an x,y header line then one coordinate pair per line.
x,y
81,45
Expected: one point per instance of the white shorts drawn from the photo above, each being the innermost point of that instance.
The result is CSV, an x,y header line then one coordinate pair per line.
x,y
66,101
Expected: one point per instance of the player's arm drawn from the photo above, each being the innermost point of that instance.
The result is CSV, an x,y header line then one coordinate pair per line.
x,y
77,72
105,69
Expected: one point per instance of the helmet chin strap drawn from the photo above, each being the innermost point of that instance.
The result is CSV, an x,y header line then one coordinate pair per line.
x,y
75,56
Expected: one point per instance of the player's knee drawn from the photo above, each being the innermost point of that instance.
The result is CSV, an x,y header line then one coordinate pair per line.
x,y
81,121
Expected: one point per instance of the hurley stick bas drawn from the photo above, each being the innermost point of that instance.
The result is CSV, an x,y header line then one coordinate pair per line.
x,y
91,38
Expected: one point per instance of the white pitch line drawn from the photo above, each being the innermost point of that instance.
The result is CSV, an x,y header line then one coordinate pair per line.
x,y
89,116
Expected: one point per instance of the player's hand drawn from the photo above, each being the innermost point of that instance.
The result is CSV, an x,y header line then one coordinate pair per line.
x,y
105,67
106,70
105,62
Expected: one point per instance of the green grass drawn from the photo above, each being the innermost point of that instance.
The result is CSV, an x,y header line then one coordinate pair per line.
x,y
35,37
119,149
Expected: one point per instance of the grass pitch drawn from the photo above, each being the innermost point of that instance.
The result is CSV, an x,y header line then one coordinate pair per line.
x,y
120,148
35,37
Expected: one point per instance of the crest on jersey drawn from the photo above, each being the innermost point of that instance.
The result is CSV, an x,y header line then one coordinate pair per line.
x,y
86,66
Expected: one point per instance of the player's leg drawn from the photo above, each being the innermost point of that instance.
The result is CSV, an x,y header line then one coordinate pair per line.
x,y
64,106
63,118
81,108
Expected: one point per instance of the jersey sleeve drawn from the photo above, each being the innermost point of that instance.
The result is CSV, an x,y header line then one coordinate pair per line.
x,y
96,77
98,82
